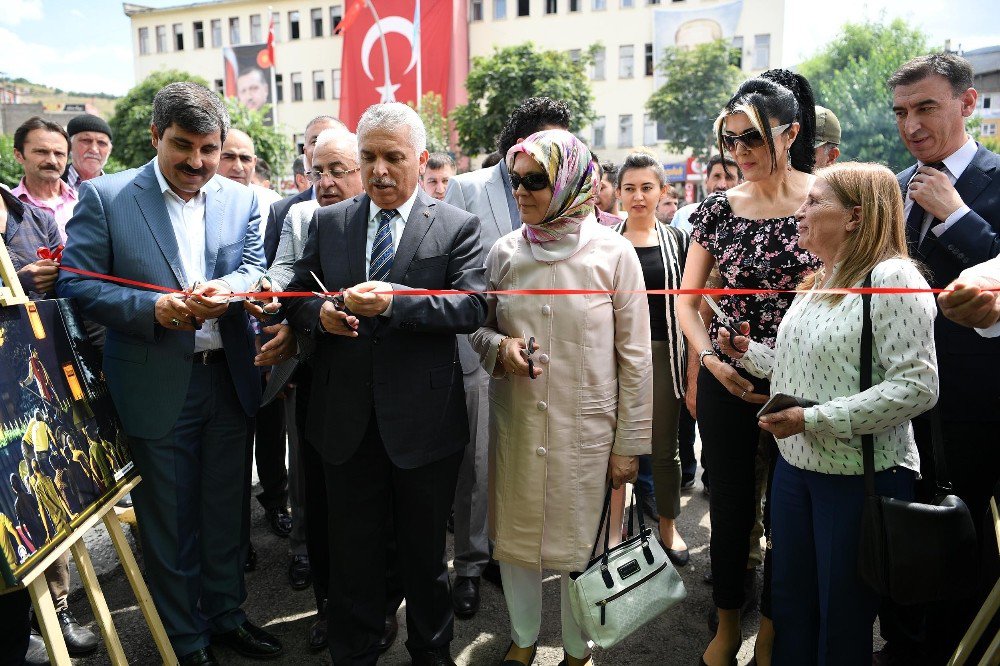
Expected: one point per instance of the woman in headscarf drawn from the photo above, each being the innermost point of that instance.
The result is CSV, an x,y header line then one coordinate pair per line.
x,y
559,434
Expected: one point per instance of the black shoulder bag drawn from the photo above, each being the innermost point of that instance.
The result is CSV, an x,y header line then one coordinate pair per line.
x,y
910,552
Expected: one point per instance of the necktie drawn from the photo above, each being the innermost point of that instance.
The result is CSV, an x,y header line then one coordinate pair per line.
x,y
915,221
381,261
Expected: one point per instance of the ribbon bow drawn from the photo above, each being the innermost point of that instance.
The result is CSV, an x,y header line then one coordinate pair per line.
x,y
54,255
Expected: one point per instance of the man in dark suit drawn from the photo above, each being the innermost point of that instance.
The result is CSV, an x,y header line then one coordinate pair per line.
x,y
952,209
387,410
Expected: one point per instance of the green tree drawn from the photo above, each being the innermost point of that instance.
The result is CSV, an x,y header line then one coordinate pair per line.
x,y
697,84
435,122
10,170
498,83
849,77
134,114
270,144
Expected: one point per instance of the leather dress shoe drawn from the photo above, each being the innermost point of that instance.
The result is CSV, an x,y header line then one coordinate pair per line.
x,y
250,641
435,657
79,639
465,596
202,657
514,662
36,655
280,521
687,481
299,572
317,634
389,633
491,572
251,563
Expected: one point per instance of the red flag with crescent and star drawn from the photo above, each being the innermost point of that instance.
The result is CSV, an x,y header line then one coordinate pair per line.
x,y
417,47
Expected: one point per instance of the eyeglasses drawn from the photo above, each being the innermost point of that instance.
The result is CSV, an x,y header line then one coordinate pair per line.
x,y
750,139
533,182
316,175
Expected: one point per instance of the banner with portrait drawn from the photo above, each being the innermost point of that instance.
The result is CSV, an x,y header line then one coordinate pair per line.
x,y
247,77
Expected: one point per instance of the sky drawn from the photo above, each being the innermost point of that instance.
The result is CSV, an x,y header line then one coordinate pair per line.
x,y
86,46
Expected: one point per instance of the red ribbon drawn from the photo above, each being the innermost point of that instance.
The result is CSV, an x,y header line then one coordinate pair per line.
x,y
54,255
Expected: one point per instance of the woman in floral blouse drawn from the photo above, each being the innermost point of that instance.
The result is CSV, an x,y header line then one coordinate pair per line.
x,y
748,232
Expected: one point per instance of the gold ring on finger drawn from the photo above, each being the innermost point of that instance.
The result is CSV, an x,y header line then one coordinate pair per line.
x,y
743,395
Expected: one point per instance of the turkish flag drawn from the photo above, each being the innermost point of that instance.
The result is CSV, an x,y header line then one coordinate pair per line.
x,y
412,42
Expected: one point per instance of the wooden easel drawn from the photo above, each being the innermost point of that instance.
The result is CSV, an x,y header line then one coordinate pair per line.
x,y
11,293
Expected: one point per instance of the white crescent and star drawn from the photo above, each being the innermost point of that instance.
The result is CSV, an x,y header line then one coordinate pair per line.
x,y
390,24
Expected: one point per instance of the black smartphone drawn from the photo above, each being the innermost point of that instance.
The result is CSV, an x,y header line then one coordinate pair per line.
x,y
780,401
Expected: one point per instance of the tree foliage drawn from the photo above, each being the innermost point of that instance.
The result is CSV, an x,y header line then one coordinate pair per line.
x,y
134,114
697,84
498,83
10,170
435,122
849,77
269,143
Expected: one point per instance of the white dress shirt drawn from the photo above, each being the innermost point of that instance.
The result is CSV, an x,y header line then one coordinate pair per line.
x,y
188,220
398,224
955,165
816,357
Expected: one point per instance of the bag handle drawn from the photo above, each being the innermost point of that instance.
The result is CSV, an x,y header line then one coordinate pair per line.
x,y
605,524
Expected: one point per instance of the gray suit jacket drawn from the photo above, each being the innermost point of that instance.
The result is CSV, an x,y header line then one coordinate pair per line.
x,y
405,366
483,194
120,227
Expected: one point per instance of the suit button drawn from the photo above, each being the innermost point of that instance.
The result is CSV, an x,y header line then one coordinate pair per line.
x,y
542,406
543,358
546,310
540,451
375,341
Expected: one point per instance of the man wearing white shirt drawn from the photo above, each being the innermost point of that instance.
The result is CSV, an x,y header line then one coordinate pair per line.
x,y
973,300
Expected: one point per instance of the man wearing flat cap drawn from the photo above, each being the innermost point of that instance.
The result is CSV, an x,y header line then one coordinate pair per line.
x,y
90,147
827,137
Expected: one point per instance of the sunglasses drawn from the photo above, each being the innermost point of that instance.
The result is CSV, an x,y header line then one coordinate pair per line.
x,y
750,139
533,182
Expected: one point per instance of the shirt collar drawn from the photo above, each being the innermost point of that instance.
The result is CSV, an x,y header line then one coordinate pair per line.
x,y
165,186
959,160
404,210
66,194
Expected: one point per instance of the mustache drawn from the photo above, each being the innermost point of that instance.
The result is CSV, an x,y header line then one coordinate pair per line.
x,y
49,167
184,168
382,182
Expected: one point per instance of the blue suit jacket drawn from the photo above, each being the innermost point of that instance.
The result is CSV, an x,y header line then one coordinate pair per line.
x,y
120,227
968,364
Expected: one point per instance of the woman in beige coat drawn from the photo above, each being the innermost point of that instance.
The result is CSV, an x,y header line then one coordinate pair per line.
x,y
558,437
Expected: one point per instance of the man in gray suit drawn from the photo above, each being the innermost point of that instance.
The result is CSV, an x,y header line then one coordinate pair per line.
x,y
179,366
387,407
486,193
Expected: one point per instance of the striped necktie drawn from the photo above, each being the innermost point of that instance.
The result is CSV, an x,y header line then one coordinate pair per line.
x,y
381,261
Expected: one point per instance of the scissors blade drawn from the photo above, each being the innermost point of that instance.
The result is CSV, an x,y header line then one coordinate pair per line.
x,y
723,318
322,287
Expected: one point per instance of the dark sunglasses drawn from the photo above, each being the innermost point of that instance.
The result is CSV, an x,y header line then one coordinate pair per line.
x,y
751,138
533,182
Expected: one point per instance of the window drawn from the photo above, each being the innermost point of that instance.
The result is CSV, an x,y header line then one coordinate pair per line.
x,y
574,55
319,85
216,33
626,61
296,86
986,102
625,130
143,41
761,51
599,124
293,25
597,68
199,35
220,86
161,38
648,131
523,7
234,31
317,22
255,35
574,5
334,84
178,37
551,6
599,5
652,2
988,130
628,4
648,57
279,88
475,10
499,9
336,13
737,52
661,131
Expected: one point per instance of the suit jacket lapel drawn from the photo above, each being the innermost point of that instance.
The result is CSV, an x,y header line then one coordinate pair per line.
x,y
498,203
154,211
974,179
356,232
420,220
215,207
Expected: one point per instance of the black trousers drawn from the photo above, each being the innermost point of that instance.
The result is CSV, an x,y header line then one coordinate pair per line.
x,y
269,450
730,437
365,495
16,622
317,519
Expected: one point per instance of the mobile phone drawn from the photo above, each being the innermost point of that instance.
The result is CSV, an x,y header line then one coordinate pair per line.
x,y
780,401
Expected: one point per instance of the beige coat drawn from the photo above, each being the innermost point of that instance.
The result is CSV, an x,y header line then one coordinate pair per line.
x,y
551,437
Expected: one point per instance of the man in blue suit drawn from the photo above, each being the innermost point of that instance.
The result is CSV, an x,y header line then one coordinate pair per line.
x,y
179,366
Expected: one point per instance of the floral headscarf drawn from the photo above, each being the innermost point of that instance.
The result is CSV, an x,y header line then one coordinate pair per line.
x,y
573,175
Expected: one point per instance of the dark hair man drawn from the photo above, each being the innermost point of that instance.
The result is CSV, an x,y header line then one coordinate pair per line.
x,y
90,148
952,210
827,142
721,174
439,171
299,173
41,147
189,355
252,88
667,206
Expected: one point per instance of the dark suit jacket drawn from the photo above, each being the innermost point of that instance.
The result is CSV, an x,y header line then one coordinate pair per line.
x,y
968,364
279,209
405,366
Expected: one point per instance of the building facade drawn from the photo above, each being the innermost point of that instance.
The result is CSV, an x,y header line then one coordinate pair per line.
x,y
986,80
628,35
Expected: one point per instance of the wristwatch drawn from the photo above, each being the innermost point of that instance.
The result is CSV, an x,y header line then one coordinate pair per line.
x,y
703,353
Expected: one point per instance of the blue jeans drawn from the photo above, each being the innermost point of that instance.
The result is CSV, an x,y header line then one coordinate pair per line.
x,y
645,480
822,610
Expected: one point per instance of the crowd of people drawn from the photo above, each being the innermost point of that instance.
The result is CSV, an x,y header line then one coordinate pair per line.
x,y
503,417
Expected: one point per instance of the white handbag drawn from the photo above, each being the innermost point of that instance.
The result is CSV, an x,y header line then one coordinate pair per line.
x,y
626,586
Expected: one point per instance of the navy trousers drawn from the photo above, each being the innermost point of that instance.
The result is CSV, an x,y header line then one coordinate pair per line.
x,y
823,612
